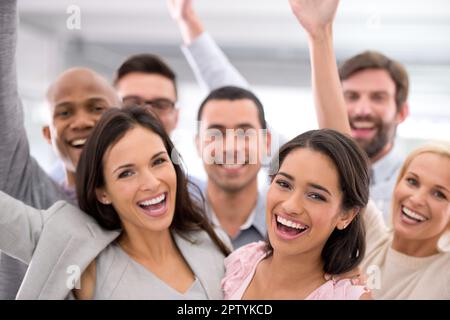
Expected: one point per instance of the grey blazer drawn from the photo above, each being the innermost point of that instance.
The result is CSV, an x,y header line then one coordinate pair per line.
x,y
59,243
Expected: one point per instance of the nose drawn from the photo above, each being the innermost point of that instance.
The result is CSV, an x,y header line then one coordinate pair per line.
x,y
418,198
234,147
148,181
362,107
83,120
292,205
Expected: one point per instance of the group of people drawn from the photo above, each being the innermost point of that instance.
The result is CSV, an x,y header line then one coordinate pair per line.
x,y
132,224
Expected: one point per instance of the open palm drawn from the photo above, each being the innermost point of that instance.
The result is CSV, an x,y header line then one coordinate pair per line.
x,y
179,8
314,14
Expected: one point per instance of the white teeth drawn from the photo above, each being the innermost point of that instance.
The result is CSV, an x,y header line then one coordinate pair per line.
x,y
413,214
363,125
290,223
232,166
78,142
153,201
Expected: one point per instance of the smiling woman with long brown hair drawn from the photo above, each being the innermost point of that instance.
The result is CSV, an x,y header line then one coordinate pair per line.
x,y
143,237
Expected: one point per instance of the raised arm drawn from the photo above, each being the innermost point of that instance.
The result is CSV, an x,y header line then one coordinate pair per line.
x,y
20,228
11,114
316,17
20,175
211,67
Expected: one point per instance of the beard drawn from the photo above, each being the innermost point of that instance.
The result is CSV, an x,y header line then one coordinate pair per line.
x,y
385,133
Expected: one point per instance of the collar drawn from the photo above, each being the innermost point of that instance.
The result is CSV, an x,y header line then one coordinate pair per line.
x,y
387,166
256,218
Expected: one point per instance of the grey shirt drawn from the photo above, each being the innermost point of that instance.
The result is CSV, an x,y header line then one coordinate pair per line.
x,y
253,230
210,65
119,277
20,174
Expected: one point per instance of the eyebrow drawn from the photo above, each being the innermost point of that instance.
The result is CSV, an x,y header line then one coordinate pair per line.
x,y
436,186
441,188
353,91
66,104
130,165
311,184
244,125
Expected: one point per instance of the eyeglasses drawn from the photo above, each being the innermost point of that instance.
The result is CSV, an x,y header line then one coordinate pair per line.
x,y
159,105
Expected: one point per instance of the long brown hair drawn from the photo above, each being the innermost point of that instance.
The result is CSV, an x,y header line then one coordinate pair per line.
x,y
114,124
345,248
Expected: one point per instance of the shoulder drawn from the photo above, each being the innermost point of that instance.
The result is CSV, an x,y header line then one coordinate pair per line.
x,y
245,257
240,263
65,218
248,253
64,211
340,290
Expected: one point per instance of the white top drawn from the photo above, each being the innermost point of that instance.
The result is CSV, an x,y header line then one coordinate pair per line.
x,y
394,275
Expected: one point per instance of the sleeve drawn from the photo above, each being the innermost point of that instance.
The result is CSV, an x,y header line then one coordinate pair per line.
x,y
20,175
20,228
239,264
345,290
376,230
211,67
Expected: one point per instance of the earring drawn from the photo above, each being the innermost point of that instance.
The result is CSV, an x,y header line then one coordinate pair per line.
x,y
106,202
342,227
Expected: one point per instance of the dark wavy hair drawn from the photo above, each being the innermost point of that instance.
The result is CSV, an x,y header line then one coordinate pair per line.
x,y
114,124
344,249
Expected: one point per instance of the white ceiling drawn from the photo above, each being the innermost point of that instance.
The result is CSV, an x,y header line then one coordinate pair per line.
x,y
416,31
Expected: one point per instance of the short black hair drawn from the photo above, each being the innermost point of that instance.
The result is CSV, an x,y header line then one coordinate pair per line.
x,y
145,63
234,93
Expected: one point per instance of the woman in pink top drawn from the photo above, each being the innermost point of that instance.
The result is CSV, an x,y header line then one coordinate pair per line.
x,y
313,223
319,185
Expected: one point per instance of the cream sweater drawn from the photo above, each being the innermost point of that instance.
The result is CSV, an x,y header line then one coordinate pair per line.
x,y
394,275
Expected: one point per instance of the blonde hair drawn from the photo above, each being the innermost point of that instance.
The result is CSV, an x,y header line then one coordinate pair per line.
x,y
437,148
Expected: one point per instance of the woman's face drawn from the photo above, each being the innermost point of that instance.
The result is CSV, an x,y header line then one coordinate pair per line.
x,y
304,203
140,181
421,207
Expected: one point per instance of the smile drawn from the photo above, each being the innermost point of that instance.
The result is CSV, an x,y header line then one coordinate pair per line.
x,y
413,217
288,229
367,125
78,143
155,206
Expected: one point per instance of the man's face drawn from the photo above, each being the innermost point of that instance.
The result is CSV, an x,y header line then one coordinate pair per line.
x,y
372,110
152,90
76,103
230,142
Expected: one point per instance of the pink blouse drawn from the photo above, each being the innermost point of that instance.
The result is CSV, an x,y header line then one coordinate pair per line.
x,y
241,266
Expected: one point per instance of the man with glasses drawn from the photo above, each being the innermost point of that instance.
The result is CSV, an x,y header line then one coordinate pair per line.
x,y
146,80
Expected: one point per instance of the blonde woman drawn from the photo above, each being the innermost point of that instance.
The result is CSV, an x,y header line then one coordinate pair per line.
x,y
411,260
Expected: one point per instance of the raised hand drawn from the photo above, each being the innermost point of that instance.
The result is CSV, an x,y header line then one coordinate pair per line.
x,y
189,24
314,15
180,9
